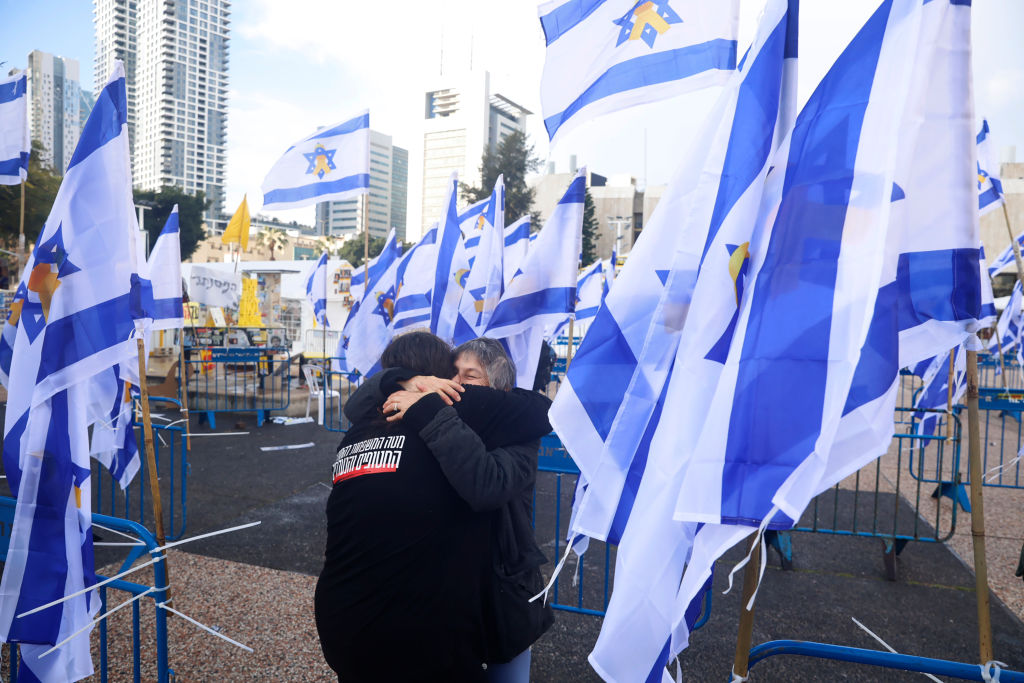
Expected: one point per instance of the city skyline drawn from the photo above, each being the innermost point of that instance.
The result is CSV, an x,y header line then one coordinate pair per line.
x,y
286,79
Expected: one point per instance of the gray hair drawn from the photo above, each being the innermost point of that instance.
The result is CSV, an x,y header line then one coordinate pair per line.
x,y
501,371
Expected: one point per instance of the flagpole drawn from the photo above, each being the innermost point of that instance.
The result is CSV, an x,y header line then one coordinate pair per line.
x,y
1014,245
326,271
977,509
741,661
366,236
147,433
21,235
949,396
182,368
568,353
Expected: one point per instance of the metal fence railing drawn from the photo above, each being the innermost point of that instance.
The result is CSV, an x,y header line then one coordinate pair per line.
x,y
237,380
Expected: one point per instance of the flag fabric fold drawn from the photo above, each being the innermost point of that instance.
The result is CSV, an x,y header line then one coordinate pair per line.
x,y
485,282
329,165
160,280
990,188
15,145
316,290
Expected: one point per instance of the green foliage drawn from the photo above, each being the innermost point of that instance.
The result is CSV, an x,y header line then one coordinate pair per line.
x,y
514,159
40,190
352,250
190,215
589,231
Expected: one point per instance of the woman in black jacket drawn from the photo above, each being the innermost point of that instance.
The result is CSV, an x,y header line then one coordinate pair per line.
x,y
400,596
501,483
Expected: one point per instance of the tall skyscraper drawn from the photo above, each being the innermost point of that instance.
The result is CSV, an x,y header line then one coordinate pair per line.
x,y
54,97
462,118
176,61
389,188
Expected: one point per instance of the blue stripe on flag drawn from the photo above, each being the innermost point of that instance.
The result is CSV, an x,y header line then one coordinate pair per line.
x,y
927,279
516,309
12,166
788,330
83,333
989,196
983,133
105,122
13,90
295,194
575,193
604,360
166,308
757,108
639,72
565,17
411,302
520,233
449,240
414,320
350,126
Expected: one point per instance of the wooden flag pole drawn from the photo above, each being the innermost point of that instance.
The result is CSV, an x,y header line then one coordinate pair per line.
x,y
147,433
949,395
568,353
741,662
978,510
183,371
21,235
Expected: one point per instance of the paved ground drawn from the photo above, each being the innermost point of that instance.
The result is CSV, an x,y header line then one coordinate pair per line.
x,y
240,582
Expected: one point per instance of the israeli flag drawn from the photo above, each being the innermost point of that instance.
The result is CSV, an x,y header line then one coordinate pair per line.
x,y
372,271
590,288
160,286
316,290
485,282
988,302
114,444
541,297
685,277
328,165
517,243
1011,322
603,56
471,223
1006,259
370,329
71,320
990,188
15,144
415,278
451,268
935,395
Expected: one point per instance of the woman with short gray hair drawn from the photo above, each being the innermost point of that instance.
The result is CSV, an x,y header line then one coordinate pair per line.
x,y
483,361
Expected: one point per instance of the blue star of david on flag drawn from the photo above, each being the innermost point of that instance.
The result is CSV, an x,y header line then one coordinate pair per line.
x,y
52,251
386,305
646,20
321,161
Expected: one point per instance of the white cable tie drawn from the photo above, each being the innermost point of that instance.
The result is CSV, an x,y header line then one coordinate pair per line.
x,y
576,571
195,434
554,575
736,678
996,670
212,533
113,531
97,620
164,605
888,647
111,543
92,587
998,469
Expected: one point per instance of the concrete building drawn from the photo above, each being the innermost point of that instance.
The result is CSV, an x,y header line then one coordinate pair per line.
x,y
389,189
176,63
462,118
54,106
85,104
621,209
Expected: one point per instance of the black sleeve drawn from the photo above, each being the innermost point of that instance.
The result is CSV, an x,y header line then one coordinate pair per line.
x,y
486,480
365,400
503,418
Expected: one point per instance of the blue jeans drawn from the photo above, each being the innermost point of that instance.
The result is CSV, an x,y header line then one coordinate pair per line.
x,y
516,671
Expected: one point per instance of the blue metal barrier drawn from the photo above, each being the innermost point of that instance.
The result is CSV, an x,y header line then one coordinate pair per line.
x,y
148,544
133,502
237,380
554,461
338,387
888,660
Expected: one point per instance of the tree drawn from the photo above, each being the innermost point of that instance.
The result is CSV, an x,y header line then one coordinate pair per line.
x,y
40,190
272,239
158,205
514,159
589,230
352,250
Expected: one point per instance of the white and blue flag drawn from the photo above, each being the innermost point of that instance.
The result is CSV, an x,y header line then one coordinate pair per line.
x,y
603,56
160,282
685,276
471,223
15,144
450,269
517,244
1005,259
71,321
1008,330
540,298
330,165
370,328
316,290
590,291
935,396
415,282
990,188
372,271
485,283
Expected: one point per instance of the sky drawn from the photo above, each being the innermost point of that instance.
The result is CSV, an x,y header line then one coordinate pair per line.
x,y
299,64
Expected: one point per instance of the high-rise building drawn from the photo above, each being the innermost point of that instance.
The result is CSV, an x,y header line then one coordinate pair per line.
x,y
462,118
389,188
54,97
85,104
176,63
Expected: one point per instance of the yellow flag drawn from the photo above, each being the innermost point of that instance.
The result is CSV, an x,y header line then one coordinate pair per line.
x,y
238,228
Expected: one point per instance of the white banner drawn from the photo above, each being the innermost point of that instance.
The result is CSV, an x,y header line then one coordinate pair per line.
x,y
214,287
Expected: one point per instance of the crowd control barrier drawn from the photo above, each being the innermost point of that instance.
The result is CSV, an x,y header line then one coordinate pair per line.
x,y
587,589
237,380
888,660
340,386
133,503
107,669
